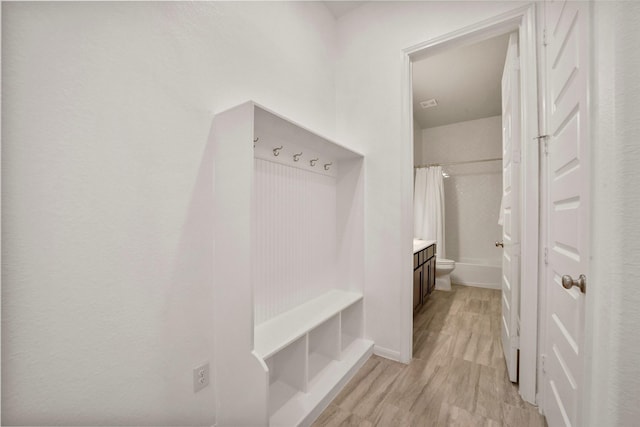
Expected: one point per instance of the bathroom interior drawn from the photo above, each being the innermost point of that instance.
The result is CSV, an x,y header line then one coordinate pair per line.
x,y
458,166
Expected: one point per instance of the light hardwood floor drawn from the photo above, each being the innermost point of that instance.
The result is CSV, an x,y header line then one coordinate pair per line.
x,y
457,377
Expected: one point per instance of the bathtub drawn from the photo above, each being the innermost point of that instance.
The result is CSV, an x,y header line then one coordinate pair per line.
x,y
475,274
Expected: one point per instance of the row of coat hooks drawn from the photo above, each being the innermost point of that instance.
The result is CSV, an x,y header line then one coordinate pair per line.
x,y
296,156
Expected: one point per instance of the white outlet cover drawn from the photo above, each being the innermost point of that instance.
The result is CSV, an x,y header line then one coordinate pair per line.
x,y
429,103
200,377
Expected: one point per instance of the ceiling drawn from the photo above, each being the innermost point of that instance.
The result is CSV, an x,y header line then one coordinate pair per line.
x,y
465,81
340,8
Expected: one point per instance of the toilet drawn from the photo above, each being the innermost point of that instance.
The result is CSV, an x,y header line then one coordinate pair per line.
x,y
444,267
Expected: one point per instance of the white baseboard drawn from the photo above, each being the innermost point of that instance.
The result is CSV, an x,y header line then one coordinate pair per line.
x,y
386,353
479,285
328,398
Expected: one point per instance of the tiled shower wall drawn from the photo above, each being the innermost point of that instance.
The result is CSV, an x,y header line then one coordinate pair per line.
x,y
472,191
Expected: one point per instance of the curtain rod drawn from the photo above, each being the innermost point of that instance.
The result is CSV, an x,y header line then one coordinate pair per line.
x,y
457,163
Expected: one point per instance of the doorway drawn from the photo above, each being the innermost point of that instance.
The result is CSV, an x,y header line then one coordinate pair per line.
x,y
522,22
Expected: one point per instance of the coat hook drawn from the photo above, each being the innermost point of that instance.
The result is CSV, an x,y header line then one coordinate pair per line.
x,y
256,139
276,151
327,166
296,157
313,162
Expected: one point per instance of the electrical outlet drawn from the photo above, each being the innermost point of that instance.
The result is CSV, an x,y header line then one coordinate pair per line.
x,y
200,377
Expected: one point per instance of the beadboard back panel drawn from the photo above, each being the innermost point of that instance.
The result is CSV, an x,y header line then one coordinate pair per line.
x,y
293,235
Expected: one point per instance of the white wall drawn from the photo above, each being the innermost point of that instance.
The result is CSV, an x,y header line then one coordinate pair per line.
x,y
417,142
107,241
473,191
369,101
613,296
462,141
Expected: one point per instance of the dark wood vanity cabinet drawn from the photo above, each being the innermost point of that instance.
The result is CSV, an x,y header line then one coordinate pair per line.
x,y
426,279
432,280
417,288
424,275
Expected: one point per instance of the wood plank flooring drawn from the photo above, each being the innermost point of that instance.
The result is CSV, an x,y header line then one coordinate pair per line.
x,y
457,377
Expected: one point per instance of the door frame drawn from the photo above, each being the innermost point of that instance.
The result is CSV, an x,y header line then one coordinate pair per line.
x,y
523,20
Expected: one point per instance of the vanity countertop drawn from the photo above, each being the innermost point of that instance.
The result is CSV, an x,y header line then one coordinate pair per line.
x,y
419,245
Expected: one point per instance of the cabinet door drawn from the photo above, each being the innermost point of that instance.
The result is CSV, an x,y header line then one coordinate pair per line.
x,y
432,279
426,278
417,288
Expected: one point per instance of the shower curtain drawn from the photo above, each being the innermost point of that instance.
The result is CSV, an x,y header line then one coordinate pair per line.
x,y
428,205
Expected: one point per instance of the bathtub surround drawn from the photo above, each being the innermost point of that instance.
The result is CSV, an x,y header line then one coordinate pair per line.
x,y
470,140
478,275
473,191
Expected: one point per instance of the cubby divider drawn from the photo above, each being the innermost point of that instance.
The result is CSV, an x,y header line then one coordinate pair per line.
x,y
287,373
324,345
351,324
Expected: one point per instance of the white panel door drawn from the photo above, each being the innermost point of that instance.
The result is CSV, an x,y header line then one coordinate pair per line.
x,y
511,206
567,168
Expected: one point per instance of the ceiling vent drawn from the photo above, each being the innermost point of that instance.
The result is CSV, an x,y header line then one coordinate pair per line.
x,y
429,103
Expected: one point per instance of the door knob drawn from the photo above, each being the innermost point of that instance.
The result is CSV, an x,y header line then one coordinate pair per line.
x,y
568,282
500,244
